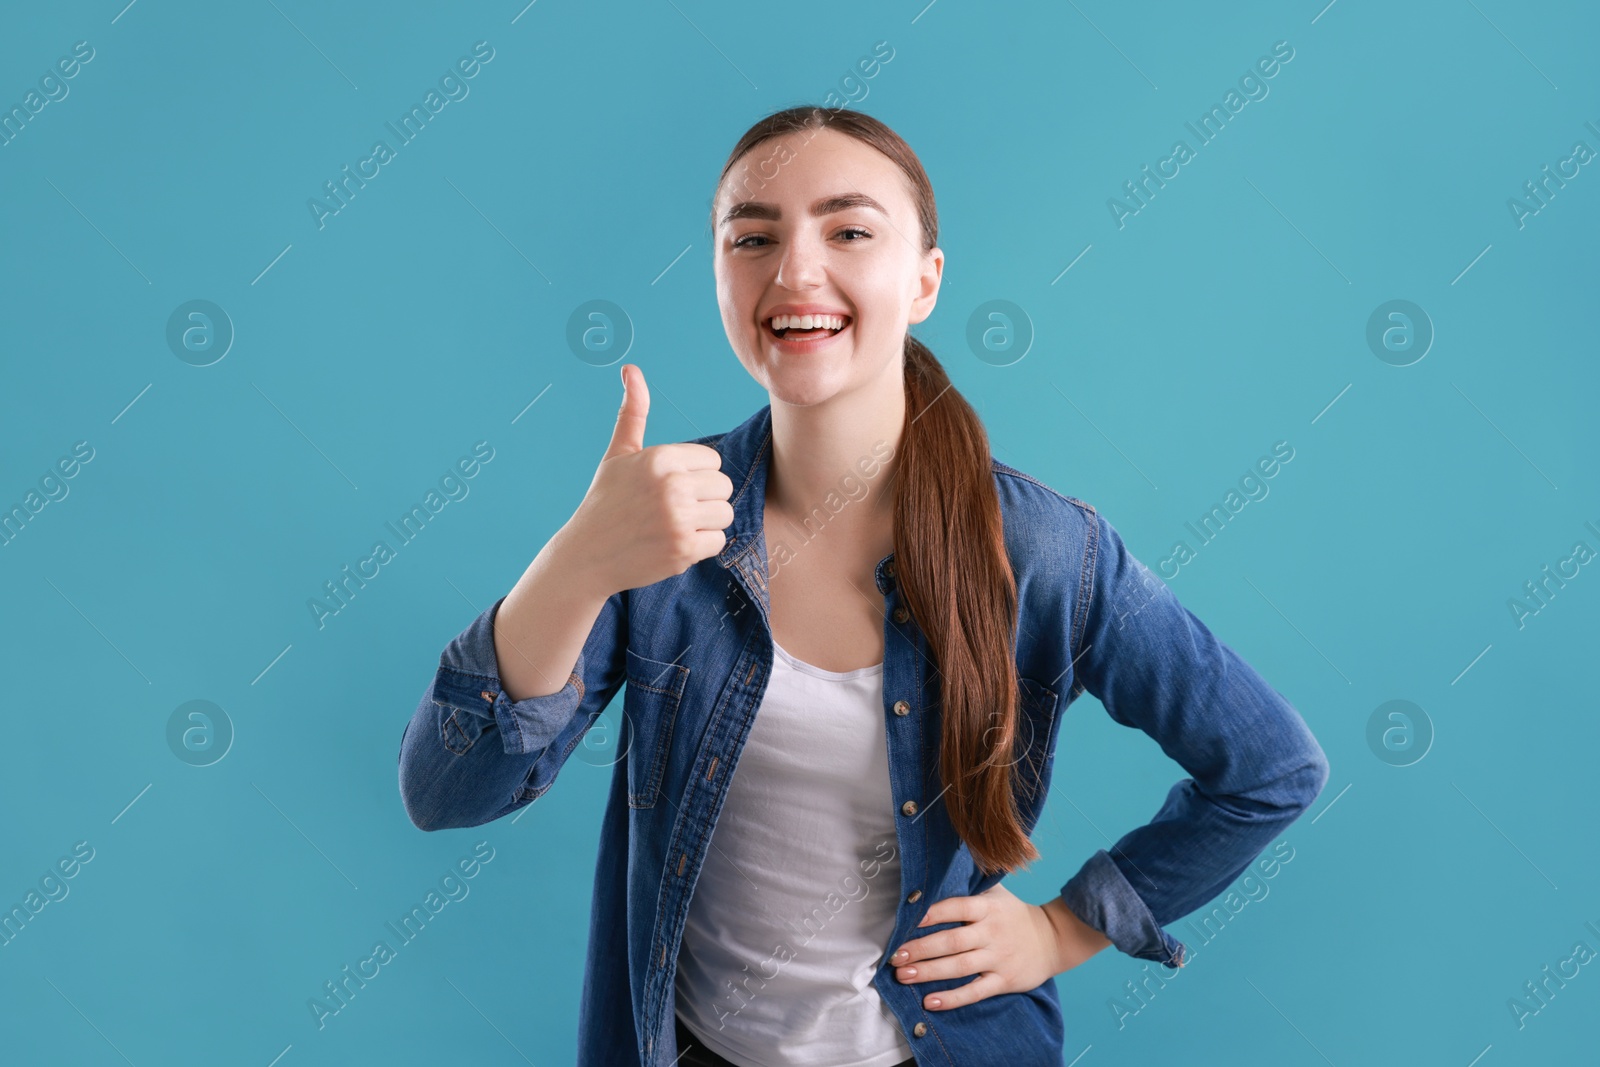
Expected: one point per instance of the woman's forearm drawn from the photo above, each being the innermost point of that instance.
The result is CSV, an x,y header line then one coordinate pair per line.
x,y
543,622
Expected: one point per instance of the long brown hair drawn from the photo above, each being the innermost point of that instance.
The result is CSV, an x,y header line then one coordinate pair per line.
x,y
950,557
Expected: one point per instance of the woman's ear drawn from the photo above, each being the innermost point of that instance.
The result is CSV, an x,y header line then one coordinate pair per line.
x,y
927,285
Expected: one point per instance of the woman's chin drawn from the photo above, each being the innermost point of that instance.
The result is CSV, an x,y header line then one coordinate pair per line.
x,y
802,386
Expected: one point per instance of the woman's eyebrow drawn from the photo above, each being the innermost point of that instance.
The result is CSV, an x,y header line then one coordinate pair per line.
x,y
753,209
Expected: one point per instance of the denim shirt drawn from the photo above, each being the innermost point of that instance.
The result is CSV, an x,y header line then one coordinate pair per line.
x,y
696,651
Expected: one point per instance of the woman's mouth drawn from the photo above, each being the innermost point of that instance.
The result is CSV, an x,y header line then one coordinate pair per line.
x,y
801,333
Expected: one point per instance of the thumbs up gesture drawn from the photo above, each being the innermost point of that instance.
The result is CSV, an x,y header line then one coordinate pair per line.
x,y
651,513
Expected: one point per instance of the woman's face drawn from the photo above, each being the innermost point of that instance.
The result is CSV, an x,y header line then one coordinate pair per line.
x,y
859,259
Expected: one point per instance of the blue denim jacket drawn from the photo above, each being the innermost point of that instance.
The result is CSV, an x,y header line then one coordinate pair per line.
x,y
695,652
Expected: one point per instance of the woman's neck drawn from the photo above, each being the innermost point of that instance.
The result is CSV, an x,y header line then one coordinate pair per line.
x,y
846,448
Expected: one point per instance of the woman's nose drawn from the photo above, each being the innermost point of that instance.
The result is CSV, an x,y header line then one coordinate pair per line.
x,y
800,267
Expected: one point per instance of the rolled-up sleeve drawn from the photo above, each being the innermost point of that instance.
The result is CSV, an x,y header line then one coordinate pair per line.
x,y
471,754
1254,764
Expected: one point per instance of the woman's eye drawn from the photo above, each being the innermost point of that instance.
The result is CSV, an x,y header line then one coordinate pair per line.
x,y
856,231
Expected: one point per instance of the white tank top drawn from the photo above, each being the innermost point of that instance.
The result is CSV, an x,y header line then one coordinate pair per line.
x,y
795,903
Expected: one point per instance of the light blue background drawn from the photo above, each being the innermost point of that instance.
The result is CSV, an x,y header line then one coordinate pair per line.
x,y
1229,314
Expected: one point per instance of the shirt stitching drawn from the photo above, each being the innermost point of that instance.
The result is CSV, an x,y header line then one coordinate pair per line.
x,y
1091,548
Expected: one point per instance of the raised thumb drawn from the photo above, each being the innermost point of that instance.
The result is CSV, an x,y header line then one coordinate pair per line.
x,y
628,436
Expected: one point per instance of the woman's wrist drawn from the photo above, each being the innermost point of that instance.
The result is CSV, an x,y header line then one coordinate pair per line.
x,y
570,553
1076,940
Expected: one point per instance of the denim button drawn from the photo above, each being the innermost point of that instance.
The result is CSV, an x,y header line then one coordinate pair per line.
x,y
902,708
901,614
909,807
888,568
919,1029
487,696
916,895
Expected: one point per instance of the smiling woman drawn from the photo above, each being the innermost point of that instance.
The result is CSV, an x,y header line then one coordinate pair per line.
x,y
904,684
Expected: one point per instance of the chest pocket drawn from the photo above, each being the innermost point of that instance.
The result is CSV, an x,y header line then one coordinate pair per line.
x,y
650,707
1036,739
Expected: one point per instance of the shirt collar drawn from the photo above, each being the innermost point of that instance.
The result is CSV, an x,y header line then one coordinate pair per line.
x,y
746,451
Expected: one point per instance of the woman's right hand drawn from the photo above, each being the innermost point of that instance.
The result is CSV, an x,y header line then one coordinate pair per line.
x,y
650,513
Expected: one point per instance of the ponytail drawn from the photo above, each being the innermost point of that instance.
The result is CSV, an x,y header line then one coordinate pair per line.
x,y
952,569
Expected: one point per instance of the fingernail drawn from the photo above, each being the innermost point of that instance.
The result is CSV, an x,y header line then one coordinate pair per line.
x,y
933,1003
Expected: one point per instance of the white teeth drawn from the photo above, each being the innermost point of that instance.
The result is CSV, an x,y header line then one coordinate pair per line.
x,y
807,322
